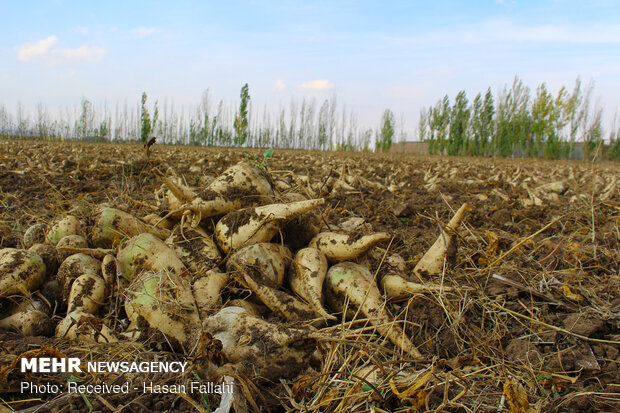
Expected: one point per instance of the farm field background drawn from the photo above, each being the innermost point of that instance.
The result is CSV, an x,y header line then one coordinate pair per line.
x,y
536,306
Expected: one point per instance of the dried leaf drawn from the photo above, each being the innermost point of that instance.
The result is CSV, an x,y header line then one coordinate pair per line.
x,y
516,397
571,295
413,389
460,361
493,243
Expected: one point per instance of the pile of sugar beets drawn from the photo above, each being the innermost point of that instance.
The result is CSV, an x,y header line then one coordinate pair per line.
x,y
291,273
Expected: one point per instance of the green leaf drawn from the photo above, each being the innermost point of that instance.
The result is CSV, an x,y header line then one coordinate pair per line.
x,y
173,403
268,153
205,401
74,379
545,376
366,387
205,397
87,402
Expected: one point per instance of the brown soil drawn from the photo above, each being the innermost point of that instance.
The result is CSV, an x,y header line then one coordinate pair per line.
x,y
551,322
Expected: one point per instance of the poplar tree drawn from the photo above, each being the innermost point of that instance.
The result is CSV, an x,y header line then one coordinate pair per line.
x,y
459,121
386,134
439,123
543,118
474,146
423,132
145,120
241,118
323,124
486,120
84,125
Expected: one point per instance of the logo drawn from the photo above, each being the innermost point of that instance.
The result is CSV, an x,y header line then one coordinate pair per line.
x,y
50,365
72,365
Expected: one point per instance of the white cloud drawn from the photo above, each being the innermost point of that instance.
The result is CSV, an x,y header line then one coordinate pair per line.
x,y
86,53
280,86
141,32
43,50
317,85
33,50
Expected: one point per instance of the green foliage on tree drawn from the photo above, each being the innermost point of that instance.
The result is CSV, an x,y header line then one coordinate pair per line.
x,y
84,126
558,146
459,122
103,132
386,134
431,133
518,125
593,137
486,119
444,117
475,146
154,122
544,114
241,118
439,123
145,120
194,133
521,118
481,124
512,119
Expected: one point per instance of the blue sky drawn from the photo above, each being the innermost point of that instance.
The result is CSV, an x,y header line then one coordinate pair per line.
x,y
371,55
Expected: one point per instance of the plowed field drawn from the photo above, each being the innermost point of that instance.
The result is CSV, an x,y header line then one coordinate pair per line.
x,y
532,321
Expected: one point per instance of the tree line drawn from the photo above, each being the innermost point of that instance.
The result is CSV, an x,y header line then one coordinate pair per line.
x,y
301,125
513,124
519,124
